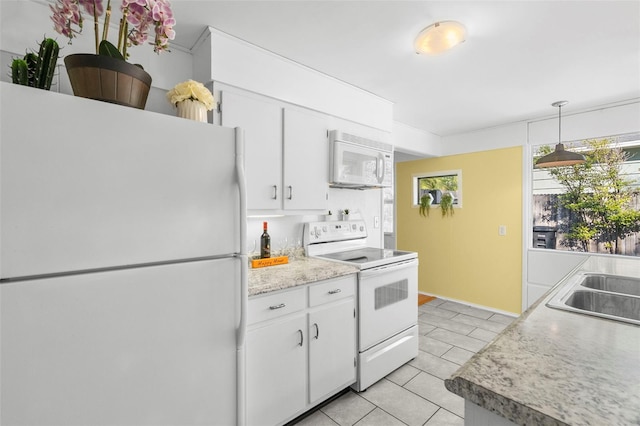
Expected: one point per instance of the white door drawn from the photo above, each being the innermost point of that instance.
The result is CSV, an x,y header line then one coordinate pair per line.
x,y
306,160
332,348
144,346
98,197
276,370
262,125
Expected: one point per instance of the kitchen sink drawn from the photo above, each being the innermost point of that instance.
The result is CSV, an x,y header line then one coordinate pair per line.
x,y
613,283
606,296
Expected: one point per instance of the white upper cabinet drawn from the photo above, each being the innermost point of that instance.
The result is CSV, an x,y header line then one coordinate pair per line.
x,y
306,160
262,125
287,152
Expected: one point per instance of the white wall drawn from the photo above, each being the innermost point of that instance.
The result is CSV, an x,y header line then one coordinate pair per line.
x,y
23,24
237,63
506,136
414,141
600,122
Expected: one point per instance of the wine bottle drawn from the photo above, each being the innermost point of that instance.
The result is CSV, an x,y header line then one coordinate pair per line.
x,y
265,242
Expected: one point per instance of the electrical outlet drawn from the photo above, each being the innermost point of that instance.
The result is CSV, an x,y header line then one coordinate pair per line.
x,y
502,230
376,222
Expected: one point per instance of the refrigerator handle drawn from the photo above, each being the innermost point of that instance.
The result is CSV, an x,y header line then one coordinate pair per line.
x,y
244,286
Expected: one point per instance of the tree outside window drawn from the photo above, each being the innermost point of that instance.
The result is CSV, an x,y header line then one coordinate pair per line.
x,y
594,207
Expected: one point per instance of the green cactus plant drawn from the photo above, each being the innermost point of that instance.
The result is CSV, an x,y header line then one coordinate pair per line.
x,y
36,70
32,68
47,58
20,72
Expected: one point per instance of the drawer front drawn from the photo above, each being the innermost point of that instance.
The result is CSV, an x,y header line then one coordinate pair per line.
x,y
262,308
335,289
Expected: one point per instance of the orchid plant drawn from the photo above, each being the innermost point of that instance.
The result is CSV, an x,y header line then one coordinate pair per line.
x,y
138,16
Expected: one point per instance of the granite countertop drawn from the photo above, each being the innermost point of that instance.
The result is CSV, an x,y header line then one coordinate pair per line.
x,y
554,367
300,271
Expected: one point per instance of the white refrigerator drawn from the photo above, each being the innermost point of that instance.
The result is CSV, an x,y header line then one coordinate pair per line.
x,y
122,265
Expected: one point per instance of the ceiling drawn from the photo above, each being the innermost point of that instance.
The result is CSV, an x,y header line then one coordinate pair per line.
x,y
519,57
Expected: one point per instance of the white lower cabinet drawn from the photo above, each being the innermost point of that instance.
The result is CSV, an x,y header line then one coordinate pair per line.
x,y
300,350
276,358
331,349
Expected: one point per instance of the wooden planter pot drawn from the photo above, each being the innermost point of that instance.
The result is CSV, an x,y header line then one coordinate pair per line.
x,y
108,79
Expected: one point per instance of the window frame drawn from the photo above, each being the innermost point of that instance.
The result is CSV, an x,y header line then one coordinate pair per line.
x,y
415,178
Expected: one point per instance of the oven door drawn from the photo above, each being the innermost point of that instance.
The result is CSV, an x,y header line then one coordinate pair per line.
x,y
387,301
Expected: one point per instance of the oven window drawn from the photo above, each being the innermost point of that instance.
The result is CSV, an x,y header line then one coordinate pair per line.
x,y
391,293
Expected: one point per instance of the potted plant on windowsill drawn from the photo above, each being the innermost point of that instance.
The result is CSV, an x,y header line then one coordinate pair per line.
x,y
107,76
446,204
425,204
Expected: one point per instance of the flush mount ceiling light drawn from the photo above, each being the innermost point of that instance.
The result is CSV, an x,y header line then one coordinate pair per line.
x,y
441,36
560,157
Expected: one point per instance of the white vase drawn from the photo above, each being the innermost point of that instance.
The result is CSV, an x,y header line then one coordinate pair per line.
x,y
193,110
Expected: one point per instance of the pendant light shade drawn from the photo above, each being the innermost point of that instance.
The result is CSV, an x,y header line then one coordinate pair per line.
x,y
441,36
560,156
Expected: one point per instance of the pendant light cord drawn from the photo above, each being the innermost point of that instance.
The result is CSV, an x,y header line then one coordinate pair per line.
x,y
559,123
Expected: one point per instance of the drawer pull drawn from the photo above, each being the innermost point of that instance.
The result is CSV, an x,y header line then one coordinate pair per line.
x,y
337,290
274,307
301,338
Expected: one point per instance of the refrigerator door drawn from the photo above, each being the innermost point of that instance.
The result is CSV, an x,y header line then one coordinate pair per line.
x,y
143,346
87,184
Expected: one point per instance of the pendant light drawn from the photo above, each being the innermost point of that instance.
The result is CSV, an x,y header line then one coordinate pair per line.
x,y
560,157
438,37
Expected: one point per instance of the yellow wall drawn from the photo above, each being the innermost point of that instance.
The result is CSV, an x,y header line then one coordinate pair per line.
x,y
463,257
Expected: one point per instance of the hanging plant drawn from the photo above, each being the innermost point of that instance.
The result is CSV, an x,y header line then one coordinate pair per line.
x,y
446,204
425,204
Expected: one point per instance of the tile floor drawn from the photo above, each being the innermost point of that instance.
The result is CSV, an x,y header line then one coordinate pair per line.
x,y
414,394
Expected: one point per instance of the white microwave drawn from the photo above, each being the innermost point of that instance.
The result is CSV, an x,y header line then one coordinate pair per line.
x,y
358,162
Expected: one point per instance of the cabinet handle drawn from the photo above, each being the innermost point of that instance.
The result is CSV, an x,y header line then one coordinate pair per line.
x,y
274,307
301,337
290,192
336,291
275,192
317,331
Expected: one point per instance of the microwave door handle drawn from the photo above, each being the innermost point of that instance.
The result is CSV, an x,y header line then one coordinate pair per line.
x,y
380,170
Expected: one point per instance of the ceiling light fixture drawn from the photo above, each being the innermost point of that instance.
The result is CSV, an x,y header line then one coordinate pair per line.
x,y
441,36
560,157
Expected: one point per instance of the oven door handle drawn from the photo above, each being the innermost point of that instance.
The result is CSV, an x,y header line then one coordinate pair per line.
x,y
389,268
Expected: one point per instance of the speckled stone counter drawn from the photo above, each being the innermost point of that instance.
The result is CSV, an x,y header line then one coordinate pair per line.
x,y
554,367
298,272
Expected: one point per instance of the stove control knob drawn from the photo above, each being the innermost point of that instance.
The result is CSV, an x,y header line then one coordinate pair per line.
x,y
361,228
325,229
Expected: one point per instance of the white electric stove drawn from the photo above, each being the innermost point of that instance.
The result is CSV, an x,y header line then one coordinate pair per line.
x,y
387,295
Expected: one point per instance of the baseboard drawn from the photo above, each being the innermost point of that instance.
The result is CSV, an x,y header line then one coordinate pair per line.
x,y
464,302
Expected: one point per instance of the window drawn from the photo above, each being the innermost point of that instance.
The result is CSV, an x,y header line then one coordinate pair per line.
x,y
594,207
437,184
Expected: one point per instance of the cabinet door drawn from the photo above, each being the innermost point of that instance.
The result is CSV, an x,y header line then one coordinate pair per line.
x,y
262,124
306,160
275,371
332,348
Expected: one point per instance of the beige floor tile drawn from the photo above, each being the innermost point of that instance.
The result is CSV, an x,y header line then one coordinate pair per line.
x,y
400,403
432,389
348,409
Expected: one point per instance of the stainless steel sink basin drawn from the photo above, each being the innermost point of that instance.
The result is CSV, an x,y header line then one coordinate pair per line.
x,y
606,296
612,283
615,305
